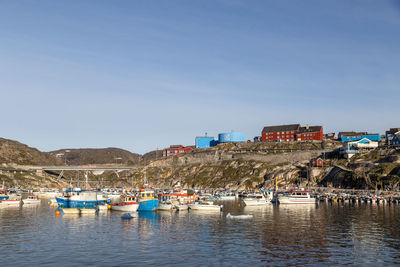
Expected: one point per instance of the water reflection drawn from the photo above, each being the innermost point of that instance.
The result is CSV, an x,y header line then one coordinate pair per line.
x,y
337,233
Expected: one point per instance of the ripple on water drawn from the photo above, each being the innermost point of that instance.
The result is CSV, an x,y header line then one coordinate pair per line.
x,y
284,235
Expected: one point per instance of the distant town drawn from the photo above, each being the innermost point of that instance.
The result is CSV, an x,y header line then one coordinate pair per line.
x,y
353,142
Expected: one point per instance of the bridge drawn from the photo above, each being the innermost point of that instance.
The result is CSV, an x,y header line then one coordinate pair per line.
x,y
85,168
80,168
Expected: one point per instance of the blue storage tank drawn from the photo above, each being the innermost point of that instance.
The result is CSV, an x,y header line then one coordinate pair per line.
x,y
231,137
204,141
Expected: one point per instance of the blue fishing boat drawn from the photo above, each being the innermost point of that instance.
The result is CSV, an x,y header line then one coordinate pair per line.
x,y
79,199
147,200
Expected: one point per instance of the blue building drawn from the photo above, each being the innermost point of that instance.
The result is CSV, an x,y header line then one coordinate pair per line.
x,y
396,140
391,134
354,136
232,137
205,141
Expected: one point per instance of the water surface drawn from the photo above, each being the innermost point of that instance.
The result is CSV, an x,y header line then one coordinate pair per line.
x,y
333,234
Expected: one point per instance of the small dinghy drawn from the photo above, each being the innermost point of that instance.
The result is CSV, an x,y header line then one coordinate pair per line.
x,y
126,216
239,217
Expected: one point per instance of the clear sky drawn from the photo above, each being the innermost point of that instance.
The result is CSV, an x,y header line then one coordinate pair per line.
x,y
145,74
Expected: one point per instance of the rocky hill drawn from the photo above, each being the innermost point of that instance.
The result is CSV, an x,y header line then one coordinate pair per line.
x,y
228,166
13,152
96,156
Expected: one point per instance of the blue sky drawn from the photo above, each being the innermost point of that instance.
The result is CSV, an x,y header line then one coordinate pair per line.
x,y
145,74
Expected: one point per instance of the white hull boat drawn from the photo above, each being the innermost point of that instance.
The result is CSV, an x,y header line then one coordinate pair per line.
x,y
222,198
10,202
125,207
102,208
257,199
78,211
71,211
31,199
165,206
200,206
88,211
239,217
128,204
297,197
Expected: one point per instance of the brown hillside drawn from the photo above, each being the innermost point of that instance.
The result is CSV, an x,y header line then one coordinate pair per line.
x,y
97,156
17,153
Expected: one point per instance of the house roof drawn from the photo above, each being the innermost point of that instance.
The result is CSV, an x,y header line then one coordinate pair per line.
x,y
393,131
281,128
352,133
310,129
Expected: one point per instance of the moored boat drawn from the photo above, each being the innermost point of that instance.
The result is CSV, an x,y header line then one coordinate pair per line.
x,y
166,206
297,197
31,199
227,196
256,199
128,204
147,200
204,206
78,199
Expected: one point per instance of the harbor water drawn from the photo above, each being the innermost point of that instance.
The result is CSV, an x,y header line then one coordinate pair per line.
x,y
328,233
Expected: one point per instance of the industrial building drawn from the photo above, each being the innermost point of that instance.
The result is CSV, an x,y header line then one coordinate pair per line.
x,y
355,136
232,137
205,141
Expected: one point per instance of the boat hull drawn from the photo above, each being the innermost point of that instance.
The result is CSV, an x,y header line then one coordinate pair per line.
x,y
31,201
125,208
148,205
10,202
71,211
68,203
162,206
227,198
204,207
255,202
290,200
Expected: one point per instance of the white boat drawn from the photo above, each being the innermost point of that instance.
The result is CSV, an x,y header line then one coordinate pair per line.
x,y
297,197
128,204
79,210
204,206
31,199
10,202
227,196
102,208
256,199
71,211
166,206
48,193
88,211
239,217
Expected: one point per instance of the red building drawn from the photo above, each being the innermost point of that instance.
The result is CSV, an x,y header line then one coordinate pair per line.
x,y
310,133
291,133
318,162
280,133
175,150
